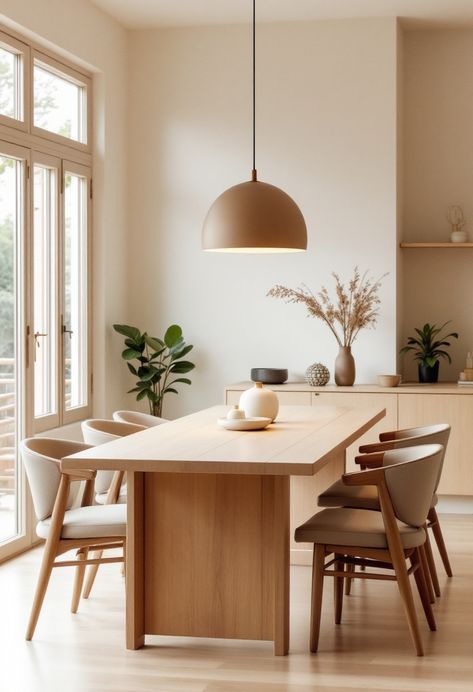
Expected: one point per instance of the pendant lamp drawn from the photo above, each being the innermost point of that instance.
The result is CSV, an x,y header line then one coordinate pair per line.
x,y
254,216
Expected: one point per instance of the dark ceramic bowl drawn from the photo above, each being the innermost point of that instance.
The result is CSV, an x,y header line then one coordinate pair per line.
x,y
269,375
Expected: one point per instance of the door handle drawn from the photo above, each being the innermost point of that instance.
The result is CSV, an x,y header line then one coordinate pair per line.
x,y
37,344
65,330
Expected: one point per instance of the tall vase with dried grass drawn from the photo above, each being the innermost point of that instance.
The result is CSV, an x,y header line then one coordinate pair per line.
x,y
354,308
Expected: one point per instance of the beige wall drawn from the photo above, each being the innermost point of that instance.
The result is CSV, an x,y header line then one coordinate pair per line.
x,y
83,34
326,113
438,171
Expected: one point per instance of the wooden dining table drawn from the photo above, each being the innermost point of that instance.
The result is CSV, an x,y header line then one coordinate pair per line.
x,y
209,517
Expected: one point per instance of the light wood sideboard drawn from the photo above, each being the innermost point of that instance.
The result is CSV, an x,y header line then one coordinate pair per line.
x,y
407,406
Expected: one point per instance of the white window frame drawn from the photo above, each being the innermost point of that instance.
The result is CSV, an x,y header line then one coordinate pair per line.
x,y
76,77
21,139
15,46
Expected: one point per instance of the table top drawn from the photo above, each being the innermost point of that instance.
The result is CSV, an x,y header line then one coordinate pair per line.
x,y
300,442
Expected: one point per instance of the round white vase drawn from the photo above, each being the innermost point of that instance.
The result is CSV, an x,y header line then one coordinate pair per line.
x,y
459,237
259,402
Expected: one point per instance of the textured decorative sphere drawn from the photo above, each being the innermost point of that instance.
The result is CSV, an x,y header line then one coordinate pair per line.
x,y
317,375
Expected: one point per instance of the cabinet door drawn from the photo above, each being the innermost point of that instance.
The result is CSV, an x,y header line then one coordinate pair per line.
x,y
456,409
232,397
361,400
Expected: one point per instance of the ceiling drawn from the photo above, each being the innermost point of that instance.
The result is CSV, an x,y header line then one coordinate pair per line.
x,y
140,14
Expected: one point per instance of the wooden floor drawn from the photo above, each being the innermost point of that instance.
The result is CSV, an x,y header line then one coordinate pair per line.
x,y
370,650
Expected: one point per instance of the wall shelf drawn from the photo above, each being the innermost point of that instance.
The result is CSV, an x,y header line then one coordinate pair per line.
x,y
437,245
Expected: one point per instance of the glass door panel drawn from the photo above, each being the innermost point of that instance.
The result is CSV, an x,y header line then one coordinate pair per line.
x,y
45,295
12,190
75,311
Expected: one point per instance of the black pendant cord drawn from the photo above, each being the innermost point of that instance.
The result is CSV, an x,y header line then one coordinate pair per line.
x,y
253,173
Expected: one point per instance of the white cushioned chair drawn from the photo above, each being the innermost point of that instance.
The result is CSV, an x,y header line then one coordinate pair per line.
x,y
405,483
99,431
138,418
366,497
64,527
109,486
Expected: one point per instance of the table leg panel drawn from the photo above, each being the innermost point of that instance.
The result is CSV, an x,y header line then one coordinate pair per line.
x,y
210,554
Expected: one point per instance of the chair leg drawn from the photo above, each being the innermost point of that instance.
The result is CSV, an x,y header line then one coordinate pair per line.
x,y
79,579
349,580
399,564
338,591
317,590
91,574
49,555
421,580
428,564
437,531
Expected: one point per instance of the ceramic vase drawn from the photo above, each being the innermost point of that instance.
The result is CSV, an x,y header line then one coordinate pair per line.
x,y
259,402
344,367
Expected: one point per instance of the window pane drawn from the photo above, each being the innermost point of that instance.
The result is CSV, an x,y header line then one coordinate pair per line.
x,y
59,104
75,289
10,84
10,353
45,291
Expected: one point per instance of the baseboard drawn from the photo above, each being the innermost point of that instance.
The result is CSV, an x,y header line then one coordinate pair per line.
x,y
455,504
301,557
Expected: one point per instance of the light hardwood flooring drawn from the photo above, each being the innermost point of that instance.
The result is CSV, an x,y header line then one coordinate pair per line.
x,y
370,650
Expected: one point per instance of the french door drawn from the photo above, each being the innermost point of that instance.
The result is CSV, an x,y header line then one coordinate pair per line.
x,y
44,315
14,265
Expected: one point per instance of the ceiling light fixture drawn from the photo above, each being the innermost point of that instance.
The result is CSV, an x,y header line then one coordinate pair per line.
x,y
254,216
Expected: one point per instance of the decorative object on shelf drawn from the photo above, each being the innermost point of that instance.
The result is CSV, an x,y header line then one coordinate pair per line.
x,y
456,219
159,361
254,423
269,375
258,401
317,375
466,376
389,380
254,216
355,308
236,413
429,346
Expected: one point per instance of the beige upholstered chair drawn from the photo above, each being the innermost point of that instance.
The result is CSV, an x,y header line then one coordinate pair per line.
x,y
109,487
405,484
339,495
64,527
138,418
97,432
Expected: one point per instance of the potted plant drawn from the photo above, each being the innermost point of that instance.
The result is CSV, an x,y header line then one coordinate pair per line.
x,y
158,363
429,346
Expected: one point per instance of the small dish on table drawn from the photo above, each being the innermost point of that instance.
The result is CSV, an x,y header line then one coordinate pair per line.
x,y
255,423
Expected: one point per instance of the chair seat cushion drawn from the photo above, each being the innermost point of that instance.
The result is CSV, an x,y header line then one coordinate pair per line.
x,y
100,498
89,522
356,496
354,527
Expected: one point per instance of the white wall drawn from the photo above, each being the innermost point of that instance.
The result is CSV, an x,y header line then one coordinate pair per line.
x,y
85,35
326,134
438,171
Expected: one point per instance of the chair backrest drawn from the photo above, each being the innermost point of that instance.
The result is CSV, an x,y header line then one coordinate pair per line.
x,y
428,434
138,418
98,431
411,478
41,457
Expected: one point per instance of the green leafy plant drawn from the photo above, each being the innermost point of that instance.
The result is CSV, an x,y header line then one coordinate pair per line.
x,y
428,345
159,361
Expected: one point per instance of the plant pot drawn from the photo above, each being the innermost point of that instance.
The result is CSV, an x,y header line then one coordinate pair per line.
x,y
427,373
344,367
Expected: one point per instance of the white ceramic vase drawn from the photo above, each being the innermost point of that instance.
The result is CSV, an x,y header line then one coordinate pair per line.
x,y
259,402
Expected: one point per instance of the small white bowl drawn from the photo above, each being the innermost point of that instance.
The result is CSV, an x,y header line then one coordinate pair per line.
x,y
389,380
